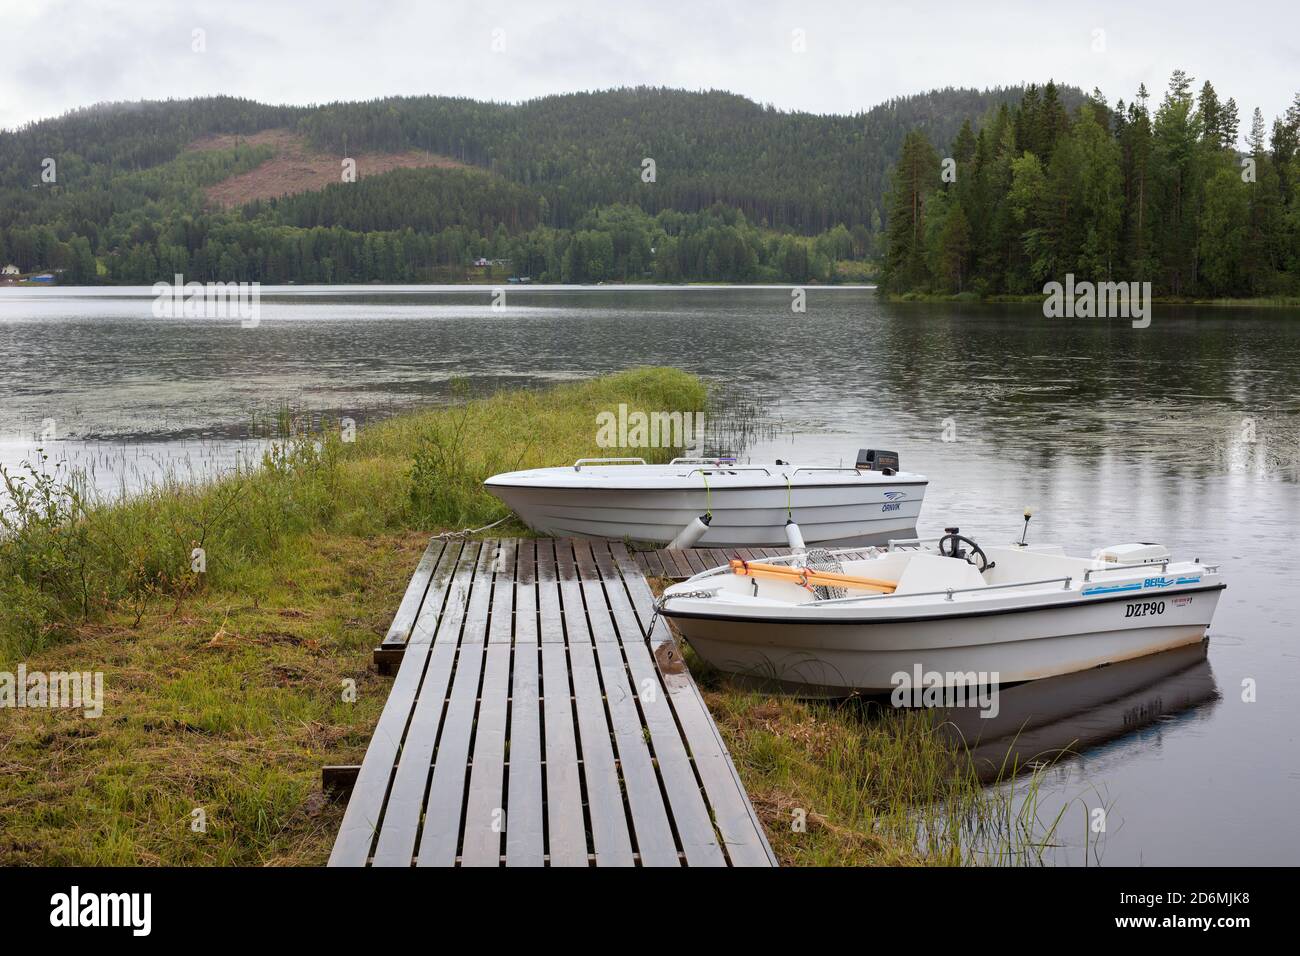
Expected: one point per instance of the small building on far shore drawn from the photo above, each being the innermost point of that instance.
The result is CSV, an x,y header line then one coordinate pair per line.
x,y
10,271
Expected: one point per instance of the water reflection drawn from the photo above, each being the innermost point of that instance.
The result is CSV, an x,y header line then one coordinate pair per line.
x,y
1041,722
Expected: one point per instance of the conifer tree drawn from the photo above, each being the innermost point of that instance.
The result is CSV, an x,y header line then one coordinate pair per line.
x,y
915,177
1229,125
1211,114
1176,131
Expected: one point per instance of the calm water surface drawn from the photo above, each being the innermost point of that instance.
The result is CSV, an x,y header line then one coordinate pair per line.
x,y
1187,433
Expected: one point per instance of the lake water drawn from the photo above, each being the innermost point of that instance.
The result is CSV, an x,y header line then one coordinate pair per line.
x,y
1186,432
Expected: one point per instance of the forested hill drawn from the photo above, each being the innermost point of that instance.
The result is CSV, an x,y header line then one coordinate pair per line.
x,y
740,190
1156,190
795,171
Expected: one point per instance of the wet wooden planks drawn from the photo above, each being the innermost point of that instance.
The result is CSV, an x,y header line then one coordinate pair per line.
x,y
389,653
679,564
533,722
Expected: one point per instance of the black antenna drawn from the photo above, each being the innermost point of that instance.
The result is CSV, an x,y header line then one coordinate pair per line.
x,y
1029,513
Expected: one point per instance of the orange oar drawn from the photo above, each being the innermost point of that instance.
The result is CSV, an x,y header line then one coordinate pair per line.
x,y
809,578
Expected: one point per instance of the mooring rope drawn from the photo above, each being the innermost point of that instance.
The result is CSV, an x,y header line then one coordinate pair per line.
x,y
466,532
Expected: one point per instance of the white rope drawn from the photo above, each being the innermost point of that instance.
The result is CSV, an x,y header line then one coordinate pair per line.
x,y
466,532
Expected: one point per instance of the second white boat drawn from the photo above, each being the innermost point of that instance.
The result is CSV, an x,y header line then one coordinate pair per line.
x,y
748,506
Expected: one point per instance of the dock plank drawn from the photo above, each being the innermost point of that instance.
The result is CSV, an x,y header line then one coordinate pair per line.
x,y
719,558
525,827
650,563
485,808
567,843
371,791
399,632
406,801
444,805
525,806
548,593
654,834
397,838
502,565
683,564
450,580
695,560
610,837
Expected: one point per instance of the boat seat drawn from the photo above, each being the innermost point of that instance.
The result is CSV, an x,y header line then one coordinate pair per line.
x,y
929,572
1024,564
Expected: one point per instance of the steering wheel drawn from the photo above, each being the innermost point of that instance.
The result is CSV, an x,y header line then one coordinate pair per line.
x,y
977,557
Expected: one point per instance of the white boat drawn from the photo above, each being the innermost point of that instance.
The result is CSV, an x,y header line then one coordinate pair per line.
x,y
748,505
942,612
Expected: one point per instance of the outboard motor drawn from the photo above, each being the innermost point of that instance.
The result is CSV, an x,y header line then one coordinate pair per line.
x,y
876,459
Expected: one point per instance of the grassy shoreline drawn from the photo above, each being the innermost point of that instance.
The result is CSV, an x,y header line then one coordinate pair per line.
x,y
225,690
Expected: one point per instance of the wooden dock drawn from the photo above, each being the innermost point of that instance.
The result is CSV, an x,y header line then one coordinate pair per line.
x,y
533,722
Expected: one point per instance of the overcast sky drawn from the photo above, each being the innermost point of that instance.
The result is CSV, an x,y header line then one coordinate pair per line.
x,y
61,54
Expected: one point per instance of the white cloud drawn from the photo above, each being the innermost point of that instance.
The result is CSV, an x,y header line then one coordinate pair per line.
x,y
63,54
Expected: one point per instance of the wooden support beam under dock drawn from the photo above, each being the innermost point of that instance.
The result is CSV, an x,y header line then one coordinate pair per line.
x,y
536,720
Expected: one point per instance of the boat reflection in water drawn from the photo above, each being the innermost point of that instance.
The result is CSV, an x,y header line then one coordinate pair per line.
x,y
1041,722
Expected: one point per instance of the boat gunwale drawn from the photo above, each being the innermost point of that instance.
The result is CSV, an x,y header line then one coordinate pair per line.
x,y
493,482
788,620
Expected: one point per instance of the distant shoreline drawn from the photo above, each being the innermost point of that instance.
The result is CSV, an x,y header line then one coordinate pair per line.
x,y
457,286
968,298
963,298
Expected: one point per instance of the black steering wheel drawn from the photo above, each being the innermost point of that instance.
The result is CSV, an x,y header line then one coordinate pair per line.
x,y
977,557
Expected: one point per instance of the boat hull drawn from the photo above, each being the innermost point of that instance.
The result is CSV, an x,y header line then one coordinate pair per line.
x,y
833,515
836,658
